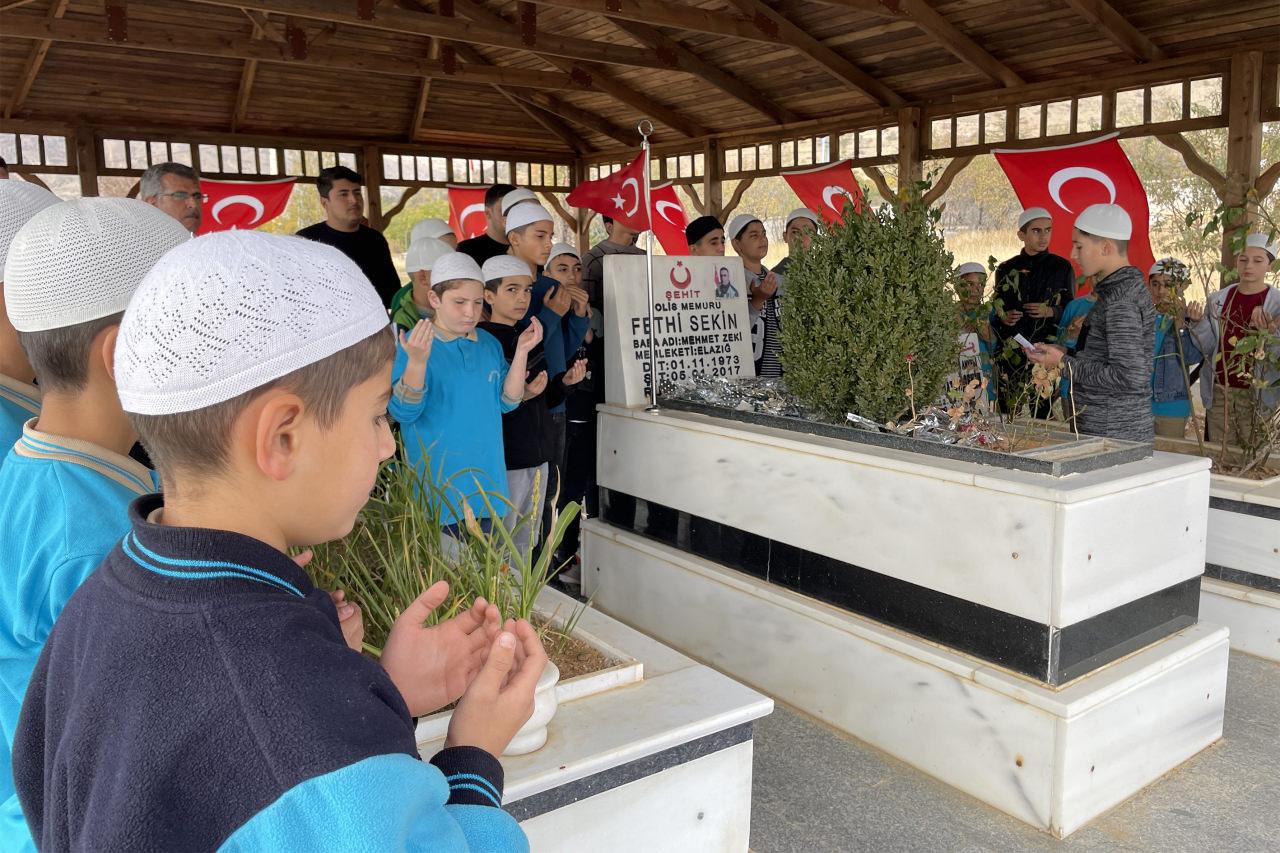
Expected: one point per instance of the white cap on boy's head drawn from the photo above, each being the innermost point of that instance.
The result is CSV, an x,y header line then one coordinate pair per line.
x,y
19,201
455,266
1031,214
501,266
970,268
429,228
526,214
1168,266
800,213
514,197
1105,220
423,253
77,261
739,224
1261,241
562,249
230,312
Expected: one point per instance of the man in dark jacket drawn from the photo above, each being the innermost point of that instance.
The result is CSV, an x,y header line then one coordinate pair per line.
x,y
1111,375
342,196
1031,290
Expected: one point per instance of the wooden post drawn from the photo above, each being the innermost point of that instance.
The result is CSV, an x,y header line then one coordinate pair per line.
x,y
371,171
910,153
1244,139
712,177
87,160
578,173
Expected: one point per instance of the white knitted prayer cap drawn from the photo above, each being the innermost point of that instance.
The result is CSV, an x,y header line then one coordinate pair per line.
x,y
1031,214
433,228
19,201
1168,266
77,261
230,312
423,253
527,214
454,266
501,266
739,224
800,213
970,268
562,249
1105,220
1260,241
514,197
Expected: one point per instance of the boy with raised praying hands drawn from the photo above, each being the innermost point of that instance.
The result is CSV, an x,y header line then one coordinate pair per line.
x,y
198,693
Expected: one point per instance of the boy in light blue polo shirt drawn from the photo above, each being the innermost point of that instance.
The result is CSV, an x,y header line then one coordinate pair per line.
x,y
19,399
66,485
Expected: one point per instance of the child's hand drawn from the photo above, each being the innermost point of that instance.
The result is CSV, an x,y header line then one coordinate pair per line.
x,y
1260,319
575,373
1011,318
535,387
1195,311
767,287
1039,310
500,700
559,300
350,619
417,342
530,337
579,300
433,666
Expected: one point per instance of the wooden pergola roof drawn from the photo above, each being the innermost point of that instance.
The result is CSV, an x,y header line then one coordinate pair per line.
x,y
572,77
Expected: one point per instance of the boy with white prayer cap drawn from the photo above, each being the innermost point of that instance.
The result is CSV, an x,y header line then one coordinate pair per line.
x,y
198,693
797,233
519,195
19,399
410,304
436,229
1170,402
751,242
67,483
1229,398
1111,375
976,337
1031,290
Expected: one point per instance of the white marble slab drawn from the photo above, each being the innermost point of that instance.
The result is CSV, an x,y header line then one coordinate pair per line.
x,y
701,806
1252,614
999,737
1245,542
1053,550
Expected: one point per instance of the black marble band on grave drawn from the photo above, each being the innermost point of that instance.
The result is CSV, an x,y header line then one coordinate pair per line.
x,y
1241,577
1245,508
1043,652
606,780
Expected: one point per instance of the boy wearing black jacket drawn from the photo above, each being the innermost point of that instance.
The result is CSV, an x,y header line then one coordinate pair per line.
x,y
528,433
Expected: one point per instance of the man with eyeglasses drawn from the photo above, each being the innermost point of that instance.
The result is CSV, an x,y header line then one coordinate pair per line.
x,y
174,189
342,197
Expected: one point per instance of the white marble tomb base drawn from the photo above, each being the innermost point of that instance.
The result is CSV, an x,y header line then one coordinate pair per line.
x,y
1053,758
1244,536
1253,616
659,764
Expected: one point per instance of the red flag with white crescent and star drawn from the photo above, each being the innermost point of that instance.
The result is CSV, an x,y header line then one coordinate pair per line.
x,y
669,219
242,204
466,211
827,189
619,196
1066,179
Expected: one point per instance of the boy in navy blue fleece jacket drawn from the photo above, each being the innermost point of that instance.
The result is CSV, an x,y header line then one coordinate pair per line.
x,y
197,692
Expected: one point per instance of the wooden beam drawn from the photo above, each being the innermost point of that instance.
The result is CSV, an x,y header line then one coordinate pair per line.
x,y
1267,181
773,23
1117,28
391,214
261,22
371,171
1196,164
190,41
547,120
87,161
655,39
35,59
738,191
948,176
454,29
910,150
667,14
712,201
579,116
249,72
923,15
882,184
424,93
1244,141
598,76
569,218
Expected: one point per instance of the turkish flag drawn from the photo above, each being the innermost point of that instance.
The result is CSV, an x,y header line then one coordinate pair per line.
x,y
1067,179
242,204
619,196
827,189
669,219
466,211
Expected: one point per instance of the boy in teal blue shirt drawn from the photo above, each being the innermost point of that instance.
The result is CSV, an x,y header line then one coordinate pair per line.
x,y
65,486
19,399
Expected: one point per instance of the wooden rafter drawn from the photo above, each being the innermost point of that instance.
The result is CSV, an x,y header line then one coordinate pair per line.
x,y
738,191
261,28
263,23
774,23
1196,164
1117,28
882,183
923,15
454,29
1267,181
388,215
598,75
190,41
578,116
655,39
948,176
569,218
424,93
35,59
662,13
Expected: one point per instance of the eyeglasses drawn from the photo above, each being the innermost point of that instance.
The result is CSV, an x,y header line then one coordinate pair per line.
x,y
198,198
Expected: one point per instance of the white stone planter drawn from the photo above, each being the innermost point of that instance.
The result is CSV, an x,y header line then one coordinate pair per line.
x,y
533,734
1031,640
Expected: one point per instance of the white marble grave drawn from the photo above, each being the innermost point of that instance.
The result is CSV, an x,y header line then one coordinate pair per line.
x,y
1242,585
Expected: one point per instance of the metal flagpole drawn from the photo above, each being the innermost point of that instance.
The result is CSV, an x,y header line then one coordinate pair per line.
x,y
646,128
